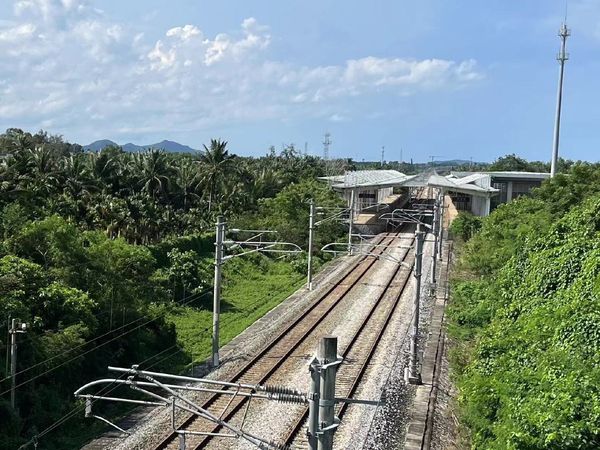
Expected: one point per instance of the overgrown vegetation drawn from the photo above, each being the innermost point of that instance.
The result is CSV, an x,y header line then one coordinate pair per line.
x,y
465,225
525,320
108,257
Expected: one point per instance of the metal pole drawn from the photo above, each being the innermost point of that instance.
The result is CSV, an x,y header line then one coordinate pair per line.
x,y
311,231
564,32
413,376
16,327
327,355
13,361
441,225
435,240
220,231
350,222
313,404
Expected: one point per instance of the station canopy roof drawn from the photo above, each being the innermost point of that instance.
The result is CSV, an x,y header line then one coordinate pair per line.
x,y
510,175
373,179
474,183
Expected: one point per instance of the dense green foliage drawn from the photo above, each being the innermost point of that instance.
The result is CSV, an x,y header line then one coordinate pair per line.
x,y
525,318
465,225
108,256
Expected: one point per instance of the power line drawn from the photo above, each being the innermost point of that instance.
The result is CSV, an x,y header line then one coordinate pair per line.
x,y
194,297
191,298
105,390
80,408
105,334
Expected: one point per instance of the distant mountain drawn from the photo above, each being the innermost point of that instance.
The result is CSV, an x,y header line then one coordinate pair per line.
x,y
96,146
456,162
168,146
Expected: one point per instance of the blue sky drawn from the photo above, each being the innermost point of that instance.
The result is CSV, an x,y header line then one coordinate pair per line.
x,y
451,79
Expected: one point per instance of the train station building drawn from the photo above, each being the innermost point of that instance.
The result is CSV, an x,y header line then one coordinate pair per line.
x,y
376,191
510,185
372,189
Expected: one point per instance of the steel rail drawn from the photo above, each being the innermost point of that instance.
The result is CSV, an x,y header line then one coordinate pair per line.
x,y
342,407
359,267
312,327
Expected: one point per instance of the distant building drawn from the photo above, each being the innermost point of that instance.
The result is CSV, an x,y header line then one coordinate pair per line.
x,y
477,192
370,187
508,186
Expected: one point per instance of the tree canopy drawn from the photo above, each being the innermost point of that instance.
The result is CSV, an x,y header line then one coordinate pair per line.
x,y
524,315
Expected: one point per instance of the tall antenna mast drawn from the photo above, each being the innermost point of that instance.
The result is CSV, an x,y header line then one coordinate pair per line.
x,y
382,155
326,144
562,57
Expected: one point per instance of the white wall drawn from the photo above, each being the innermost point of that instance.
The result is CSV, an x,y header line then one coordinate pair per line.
x,y
480,206
383,193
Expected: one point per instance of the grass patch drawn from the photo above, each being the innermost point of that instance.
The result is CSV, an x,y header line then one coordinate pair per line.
x,y
251,288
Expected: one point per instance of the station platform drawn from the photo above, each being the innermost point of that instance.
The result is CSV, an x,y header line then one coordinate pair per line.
x,y
368,222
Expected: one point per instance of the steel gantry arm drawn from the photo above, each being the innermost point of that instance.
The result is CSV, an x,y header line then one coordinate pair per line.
x,y
178,401
336,214
248,246
408,216
166,394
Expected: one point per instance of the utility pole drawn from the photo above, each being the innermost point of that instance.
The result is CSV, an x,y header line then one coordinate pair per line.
x,y
350,222
220,233
16,327
562,57
382,155
313,404
434,230
311,232
328,359
441,223
412,374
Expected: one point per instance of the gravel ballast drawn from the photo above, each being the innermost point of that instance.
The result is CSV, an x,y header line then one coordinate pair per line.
x,y
362,426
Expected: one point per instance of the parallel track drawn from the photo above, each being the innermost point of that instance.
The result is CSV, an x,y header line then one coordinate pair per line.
x,y
267,361
361,348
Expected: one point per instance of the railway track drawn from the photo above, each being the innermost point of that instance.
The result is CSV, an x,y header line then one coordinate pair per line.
x,y
269,359
359,351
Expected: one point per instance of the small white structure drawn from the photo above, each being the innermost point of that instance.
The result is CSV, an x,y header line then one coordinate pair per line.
x,y
370,187
470,193
510,184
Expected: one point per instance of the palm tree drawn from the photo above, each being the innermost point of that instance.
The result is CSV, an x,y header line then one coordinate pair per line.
x,y
42,179
186,183
76,176
152,170
215,162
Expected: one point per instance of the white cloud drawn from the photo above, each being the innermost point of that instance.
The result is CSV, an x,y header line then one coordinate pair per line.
x,y
64,63
184,33
338,118
18,33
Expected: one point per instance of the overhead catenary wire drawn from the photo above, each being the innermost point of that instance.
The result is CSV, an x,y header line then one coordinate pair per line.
x,y
106,391
182,302
189,300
